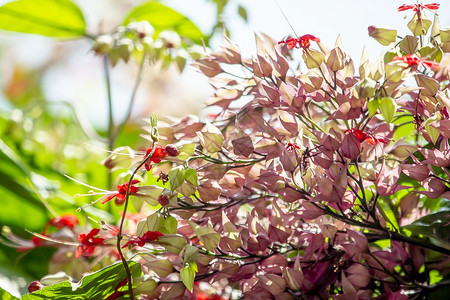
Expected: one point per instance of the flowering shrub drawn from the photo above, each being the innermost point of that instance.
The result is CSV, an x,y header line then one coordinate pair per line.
x,y
315,182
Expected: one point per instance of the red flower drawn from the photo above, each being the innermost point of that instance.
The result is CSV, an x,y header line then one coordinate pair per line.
x,y
362,136
157,156
301,42
418,7
88,242
66,220
413,61
122,191
291,146
147,237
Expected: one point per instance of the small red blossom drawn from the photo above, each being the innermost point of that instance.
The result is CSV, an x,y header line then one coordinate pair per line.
x,y
291,146
122,191
159,154
418,7
88,242
301,42
66,220
35,286
362,136
147,237
413,61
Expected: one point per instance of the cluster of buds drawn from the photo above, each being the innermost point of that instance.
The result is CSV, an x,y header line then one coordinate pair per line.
x,y
138,38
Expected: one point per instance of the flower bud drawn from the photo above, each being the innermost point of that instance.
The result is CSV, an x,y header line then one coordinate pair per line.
x,y
102,44
384,36
142,29
171,150
170,39
124,48
35,286
163,200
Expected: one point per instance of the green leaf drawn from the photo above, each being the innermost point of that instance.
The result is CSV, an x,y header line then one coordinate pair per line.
x,y
207,235
419,26
54,18
170,225
187,275
189,254
4,295
387,213
98,285
433,133
176,177
388,107
154,222
372,106
162,18
191,176
434,225
242,13
212,139
313,58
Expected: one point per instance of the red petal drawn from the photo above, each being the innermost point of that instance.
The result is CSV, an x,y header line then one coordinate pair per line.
x,y
78,252
93,233
432,5
431,64
109,198
371,140
405,7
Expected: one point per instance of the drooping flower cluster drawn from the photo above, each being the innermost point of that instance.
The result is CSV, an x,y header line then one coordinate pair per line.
x,y
88,243
319,186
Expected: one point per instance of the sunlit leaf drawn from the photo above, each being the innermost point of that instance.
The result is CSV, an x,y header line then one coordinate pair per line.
x,y
96,286
54,18
163,18
4,295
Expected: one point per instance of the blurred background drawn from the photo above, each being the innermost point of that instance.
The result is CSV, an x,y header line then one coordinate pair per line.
x,y
53,101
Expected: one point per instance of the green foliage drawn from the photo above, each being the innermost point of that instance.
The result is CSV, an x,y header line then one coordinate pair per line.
x,y
187,275
434,225
162,18
4,295
54,18
98,285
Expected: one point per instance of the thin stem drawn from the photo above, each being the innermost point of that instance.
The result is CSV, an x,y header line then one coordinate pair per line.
x,y
110,119
132,99
110,106
122,221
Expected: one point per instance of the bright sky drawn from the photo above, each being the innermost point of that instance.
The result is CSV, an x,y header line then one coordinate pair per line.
x,y
325,19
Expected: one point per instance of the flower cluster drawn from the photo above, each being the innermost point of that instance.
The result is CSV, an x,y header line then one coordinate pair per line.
x,y
88,242
120,195
414,61
148,237
301,42
327,183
